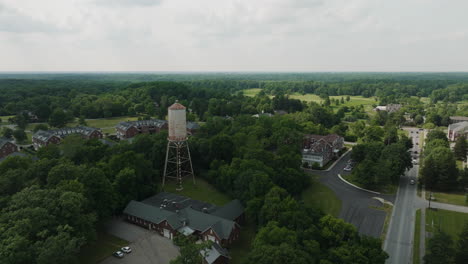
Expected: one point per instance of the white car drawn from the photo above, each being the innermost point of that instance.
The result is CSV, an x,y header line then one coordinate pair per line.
x,y
412,182
348,168
118,254
126,249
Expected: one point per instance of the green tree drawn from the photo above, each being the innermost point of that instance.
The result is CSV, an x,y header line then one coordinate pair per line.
x,y
342,100
439,169
40,127
20,135
435,134
58,118
7,132
348,98
461,148
82,121
461,255
440,249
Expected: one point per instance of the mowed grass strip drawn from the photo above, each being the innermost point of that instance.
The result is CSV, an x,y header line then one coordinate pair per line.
x,y
251,92
449,198
102,248
201,190
450,222
417,237
321,197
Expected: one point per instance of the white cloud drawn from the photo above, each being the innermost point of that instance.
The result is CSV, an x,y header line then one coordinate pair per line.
x,y
240,35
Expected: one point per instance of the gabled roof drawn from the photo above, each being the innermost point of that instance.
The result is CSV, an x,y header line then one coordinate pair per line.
x,y
4,141
460,127
148,212
192,125
43,135
201,222
140,123
231,210
213,253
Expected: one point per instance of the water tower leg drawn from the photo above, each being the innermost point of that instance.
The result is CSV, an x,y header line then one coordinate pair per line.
x,y
165,164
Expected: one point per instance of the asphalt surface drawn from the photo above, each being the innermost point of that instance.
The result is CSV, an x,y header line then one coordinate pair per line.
x,y
399,239
356,204
148,247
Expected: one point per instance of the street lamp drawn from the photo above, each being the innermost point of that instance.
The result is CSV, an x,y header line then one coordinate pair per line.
x,y
430,198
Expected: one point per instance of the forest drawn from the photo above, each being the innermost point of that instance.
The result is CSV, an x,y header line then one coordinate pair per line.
x,y
57,200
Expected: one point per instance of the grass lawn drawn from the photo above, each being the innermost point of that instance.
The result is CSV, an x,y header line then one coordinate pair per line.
x,y
450,198
320,196
251,92
417,237
241,247
201,190
459,164
354,100
450,222
388,189
104,247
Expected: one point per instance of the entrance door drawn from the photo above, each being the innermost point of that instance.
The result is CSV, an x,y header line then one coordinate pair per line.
x,y
167,233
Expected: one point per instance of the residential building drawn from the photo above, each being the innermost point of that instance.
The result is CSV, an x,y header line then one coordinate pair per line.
x,y
321,149
389,108
169,214
458,119
215,255
43,138
7,147
129,129
457,129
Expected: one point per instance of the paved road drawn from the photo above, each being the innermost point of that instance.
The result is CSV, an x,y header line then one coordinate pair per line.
x,y
356,204
399,239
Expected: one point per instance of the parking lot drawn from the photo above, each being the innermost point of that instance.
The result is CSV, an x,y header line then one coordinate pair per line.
x,y
147,246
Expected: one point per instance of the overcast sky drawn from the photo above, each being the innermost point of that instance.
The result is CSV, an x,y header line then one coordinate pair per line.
x,y
242,35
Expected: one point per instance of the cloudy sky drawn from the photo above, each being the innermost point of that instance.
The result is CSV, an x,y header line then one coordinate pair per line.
x,y
233,35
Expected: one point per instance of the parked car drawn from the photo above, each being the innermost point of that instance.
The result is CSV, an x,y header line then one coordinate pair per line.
x,y
348,168
118,254
126,250
412,182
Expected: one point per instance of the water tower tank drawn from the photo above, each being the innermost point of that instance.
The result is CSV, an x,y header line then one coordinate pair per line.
x,y
177,122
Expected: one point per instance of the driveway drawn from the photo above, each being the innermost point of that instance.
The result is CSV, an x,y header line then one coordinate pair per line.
x,y
357,205
148,247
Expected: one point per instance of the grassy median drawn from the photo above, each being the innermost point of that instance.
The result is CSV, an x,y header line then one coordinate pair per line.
x,y
417,237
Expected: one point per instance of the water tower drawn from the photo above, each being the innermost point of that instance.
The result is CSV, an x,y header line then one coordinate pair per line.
x,y
178,163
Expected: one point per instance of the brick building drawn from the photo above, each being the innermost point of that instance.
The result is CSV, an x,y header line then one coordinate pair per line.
x,y
129,129
43,138
7,147
321,149
169,214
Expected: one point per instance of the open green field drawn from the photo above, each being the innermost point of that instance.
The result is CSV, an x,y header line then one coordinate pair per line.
x,y
104,247
450,222
354,100
201,190
417,237
320,196
251,92
5,118
450,198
